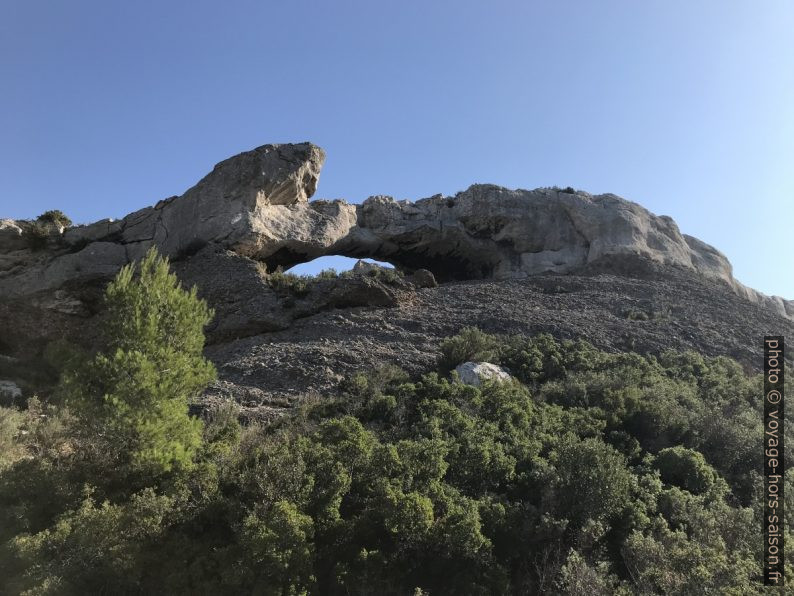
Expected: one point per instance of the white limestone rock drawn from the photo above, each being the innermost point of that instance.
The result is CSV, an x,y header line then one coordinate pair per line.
x,y
476,373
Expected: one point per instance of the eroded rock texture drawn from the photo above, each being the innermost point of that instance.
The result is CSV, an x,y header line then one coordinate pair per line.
x,y
256,205
252,213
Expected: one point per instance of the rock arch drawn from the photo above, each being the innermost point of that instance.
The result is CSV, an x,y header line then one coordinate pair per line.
x,y
256,204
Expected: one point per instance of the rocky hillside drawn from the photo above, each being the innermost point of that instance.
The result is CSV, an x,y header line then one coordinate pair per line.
x,y
563,261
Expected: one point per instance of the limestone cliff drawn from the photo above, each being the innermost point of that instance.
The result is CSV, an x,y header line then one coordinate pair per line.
x,y
252,213
257,205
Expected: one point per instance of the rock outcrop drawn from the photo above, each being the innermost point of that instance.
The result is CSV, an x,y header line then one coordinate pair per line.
x,y
248,302
256,205
477,373
252,213
225,208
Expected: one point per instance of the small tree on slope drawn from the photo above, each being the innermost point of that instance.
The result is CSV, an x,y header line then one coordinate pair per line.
x,y
132,398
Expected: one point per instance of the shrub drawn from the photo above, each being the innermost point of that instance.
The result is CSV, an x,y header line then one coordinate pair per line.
x,y
133,396
470,344
98,545
37,235
685,468
637,315
577,578
592,480
389,275
279,550
11,425
288,282
533,359
55,217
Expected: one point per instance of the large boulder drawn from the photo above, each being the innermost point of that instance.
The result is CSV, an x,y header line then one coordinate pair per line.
x,y
225,205
224,208
477,373
366,268
422,278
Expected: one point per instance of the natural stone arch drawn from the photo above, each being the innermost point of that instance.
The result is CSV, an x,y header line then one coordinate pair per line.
x,y
436,257
256,204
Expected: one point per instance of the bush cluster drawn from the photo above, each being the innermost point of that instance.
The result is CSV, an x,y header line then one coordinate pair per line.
x,y
37,233
300,285
55,217
389,275
289,282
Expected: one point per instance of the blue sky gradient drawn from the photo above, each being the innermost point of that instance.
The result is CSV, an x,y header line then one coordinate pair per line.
x,y
684,107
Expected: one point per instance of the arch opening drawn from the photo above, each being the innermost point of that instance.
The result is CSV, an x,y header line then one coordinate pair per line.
x,y
338,263
447,263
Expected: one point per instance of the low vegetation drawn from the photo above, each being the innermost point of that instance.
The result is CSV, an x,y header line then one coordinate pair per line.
x,y
567,190
55,217
37,233
300,285
389,275
289,282
590,473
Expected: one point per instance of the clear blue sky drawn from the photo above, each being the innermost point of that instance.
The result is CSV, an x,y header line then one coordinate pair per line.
x,y
685,107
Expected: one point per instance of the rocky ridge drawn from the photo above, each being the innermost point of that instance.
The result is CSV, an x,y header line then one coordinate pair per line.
x,y
252,214
256,204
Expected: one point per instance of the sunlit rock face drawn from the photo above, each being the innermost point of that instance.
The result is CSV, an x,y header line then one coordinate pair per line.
x,y
479,373
256,205
561,261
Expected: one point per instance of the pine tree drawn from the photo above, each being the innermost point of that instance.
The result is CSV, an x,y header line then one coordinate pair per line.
x,y
132,397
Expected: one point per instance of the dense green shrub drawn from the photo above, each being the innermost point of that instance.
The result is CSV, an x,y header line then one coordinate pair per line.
x,y
133,395
599,473
470,345
591,479
686,468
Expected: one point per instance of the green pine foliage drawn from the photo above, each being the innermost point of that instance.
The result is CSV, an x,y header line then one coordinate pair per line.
x,y
132,397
